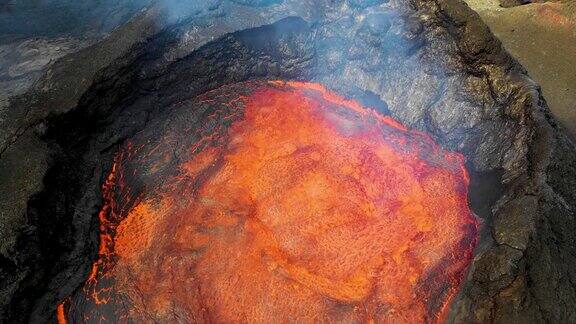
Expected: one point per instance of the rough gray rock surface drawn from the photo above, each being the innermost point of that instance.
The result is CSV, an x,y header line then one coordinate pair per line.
x,y
53,86
63,18
22,63
431,64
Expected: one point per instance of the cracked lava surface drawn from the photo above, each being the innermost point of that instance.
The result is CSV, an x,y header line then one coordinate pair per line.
x,y
279,202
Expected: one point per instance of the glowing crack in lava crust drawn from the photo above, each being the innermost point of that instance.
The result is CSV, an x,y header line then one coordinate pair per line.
x,y
279,202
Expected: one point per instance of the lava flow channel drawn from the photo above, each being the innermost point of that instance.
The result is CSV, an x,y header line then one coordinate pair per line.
x,y
279,202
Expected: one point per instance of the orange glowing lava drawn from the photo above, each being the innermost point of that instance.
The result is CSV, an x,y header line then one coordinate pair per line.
x,y
304,208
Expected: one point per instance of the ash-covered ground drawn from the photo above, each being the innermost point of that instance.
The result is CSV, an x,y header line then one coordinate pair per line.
x,y
430,64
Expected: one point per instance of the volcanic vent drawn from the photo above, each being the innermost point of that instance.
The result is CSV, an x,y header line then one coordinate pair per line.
x,y
267,201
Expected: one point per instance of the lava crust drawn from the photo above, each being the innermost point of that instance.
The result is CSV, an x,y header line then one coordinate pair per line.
x,y
279,201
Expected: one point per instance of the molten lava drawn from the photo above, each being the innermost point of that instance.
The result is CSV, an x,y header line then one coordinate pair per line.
x,y
290,204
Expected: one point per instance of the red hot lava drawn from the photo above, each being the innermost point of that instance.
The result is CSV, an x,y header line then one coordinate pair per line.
x,y
304,207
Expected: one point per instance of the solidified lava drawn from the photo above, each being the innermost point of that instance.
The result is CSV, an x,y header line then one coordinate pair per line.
x,y
282,202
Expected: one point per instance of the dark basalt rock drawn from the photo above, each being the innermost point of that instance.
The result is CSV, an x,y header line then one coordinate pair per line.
x,y
515,3
431,64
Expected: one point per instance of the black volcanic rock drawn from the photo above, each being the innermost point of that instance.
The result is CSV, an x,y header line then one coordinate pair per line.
x,y
431,64
514,3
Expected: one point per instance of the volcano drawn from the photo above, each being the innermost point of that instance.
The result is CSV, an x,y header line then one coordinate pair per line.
x,y
290,160
282,201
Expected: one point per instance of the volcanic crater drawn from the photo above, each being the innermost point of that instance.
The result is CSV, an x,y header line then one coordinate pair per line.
x,y
276,200
347,161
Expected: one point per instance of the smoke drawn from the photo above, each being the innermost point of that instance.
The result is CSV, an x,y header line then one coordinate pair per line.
x,y
366,42
21,19
55,18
